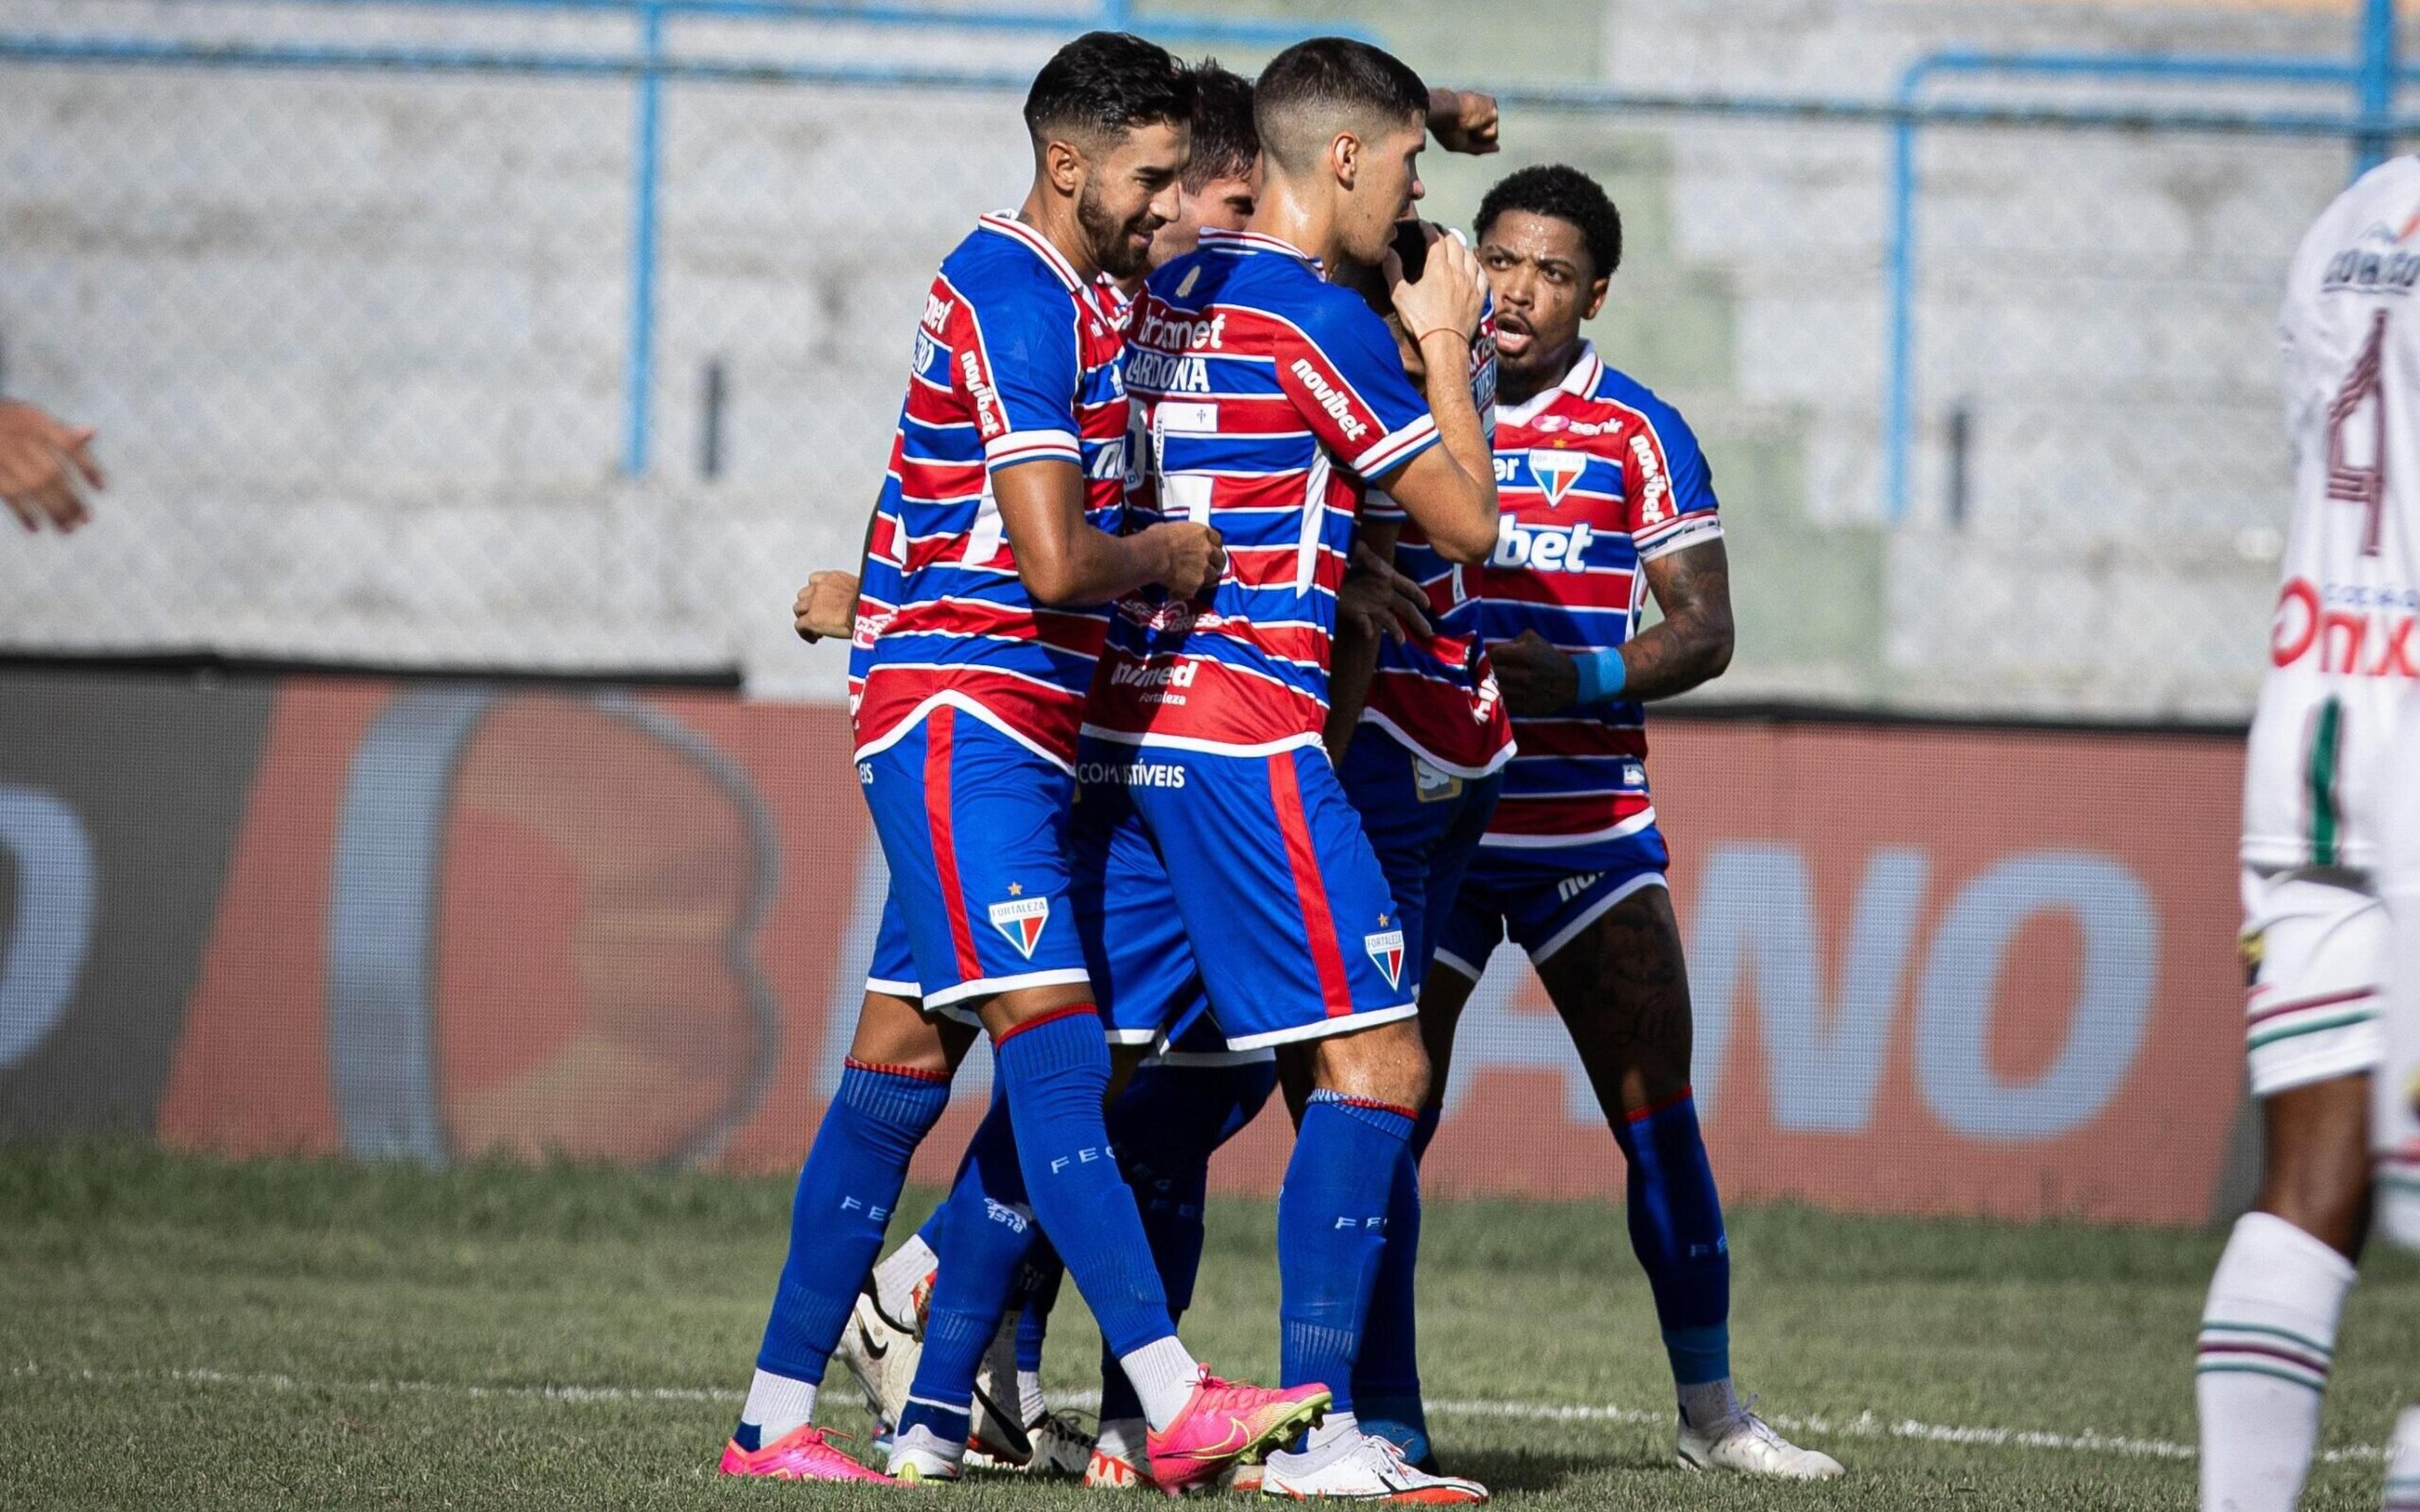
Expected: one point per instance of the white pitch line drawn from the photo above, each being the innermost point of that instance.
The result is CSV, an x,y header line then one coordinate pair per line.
x,y
1866,1425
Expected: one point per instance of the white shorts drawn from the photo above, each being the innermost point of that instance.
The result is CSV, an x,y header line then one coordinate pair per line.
x,y
2315,956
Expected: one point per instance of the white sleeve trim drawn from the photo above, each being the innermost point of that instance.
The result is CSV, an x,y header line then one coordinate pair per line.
x,y
1680,531
1031,446
1390,451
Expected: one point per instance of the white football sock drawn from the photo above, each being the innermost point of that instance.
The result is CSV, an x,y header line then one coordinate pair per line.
x,y
1163,1374
1029,1397
1334,1429
896,1277
1711,1407
2268,1336
1124,1438
2403,1464
778,1406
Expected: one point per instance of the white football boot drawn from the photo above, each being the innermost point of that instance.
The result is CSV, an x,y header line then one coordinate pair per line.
x,y
882,1354
1747,1445
1363,1467
922,1455
1118,1461
1062,1446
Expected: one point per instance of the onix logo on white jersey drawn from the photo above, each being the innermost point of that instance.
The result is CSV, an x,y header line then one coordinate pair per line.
x,y
1540,548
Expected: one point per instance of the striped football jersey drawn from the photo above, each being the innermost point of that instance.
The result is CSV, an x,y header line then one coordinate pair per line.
x,y
1015,361
1596,477
1264,399
1437,694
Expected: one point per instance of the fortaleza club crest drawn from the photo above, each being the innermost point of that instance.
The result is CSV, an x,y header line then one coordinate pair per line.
x,y
1386,949
1022,920
1555,472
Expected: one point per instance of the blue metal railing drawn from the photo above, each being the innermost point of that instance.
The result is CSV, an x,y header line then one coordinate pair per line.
x,y
2375,76
2371,126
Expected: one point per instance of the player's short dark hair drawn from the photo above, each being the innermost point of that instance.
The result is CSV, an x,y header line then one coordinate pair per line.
x,y
1225,145
1108,83
1564,193
1312,87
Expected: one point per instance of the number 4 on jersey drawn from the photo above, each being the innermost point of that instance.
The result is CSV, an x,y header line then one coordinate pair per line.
x,y
2358,483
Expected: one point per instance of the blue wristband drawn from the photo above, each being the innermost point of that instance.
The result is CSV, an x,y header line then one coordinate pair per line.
x,y
1601,674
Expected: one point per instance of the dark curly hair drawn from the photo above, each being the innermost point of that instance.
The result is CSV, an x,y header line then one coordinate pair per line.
x,y
1108,83
1225,145
1564,193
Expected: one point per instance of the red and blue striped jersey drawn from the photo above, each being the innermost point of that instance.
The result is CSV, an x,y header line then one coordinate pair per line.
x,y
878,593
1595,477
1437,694
1265,398
1017,362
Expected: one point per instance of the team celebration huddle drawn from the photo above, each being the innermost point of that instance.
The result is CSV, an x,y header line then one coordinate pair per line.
x,y
1216,702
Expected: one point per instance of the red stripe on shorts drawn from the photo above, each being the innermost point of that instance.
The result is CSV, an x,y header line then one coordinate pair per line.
x,y
1308,890
939,726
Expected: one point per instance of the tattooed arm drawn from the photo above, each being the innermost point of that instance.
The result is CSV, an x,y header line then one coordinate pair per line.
x,y
1690,646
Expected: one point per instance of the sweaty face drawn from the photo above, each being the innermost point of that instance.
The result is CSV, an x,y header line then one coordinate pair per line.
x,y
1538,267
1131,192
1221,205
1383,189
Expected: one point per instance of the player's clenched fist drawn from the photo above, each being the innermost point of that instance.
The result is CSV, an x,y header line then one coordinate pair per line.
x,y
1537,677
1194,557
1448,296
826,607
39,461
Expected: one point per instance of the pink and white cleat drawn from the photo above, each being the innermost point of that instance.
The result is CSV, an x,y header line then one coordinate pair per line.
x,y
1227,1423
802,1454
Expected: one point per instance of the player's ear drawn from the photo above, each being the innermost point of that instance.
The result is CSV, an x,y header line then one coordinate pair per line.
x,y
1596,298
1344,159
1064,165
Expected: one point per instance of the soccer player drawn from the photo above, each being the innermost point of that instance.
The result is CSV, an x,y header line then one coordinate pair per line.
x,y
1008,462
1213,836
40,460
1607,499
2317,787
1185,1101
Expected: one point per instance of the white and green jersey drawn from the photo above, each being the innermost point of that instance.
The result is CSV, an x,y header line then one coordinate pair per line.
x,y
2342,649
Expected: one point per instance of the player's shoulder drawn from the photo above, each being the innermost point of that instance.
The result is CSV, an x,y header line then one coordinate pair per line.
x,y
1004,264
1610,405
1624,394
2368,241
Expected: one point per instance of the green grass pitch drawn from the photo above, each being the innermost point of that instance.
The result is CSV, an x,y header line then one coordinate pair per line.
x,y
177,1333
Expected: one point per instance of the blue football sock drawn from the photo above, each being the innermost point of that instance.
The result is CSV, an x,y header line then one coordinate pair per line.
x,y
986,1229
1037,1292
1387,1376
1056,1072
847,1189
1166,1125
1331,1227
1676,1227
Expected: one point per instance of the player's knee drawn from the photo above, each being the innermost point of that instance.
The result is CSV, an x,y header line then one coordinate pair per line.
x,y
2315,1172
890,1032
1385,1064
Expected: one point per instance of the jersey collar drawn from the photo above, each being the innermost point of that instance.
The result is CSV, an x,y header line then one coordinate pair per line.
x,y
1007,224
1579,380
1257,242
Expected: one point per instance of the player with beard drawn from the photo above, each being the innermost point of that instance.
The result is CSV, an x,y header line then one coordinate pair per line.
x,y
1184,1102
1006,469
1602,485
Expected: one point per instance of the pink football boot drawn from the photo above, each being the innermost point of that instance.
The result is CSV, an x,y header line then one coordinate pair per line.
x,y
802,1454
1227,1423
